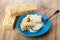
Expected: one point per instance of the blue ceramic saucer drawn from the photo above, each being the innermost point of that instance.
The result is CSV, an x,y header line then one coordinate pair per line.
x,y
42,31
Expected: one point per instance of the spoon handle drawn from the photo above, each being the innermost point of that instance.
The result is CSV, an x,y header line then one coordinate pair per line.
x,y
56,12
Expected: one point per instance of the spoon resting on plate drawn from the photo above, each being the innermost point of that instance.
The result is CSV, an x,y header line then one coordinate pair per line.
x,y
33,30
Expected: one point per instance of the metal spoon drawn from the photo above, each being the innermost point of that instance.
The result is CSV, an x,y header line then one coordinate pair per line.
x,y
56,12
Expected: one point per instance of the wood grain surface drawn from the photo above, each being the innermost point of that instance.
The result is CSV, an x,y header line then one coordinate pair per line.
x,y
46,7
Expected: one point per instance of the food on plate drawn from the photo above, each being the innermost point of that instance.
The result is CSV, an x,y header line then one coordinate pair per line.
x,y
36,28
31,22
18,10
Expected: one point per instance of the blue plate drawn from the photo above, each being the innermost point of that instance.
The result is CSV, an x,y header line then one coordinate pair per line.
x,y
42,31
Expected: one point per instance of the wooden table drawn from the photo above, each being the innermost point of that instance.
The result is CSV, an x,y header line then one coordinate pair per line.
x,y
46,7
